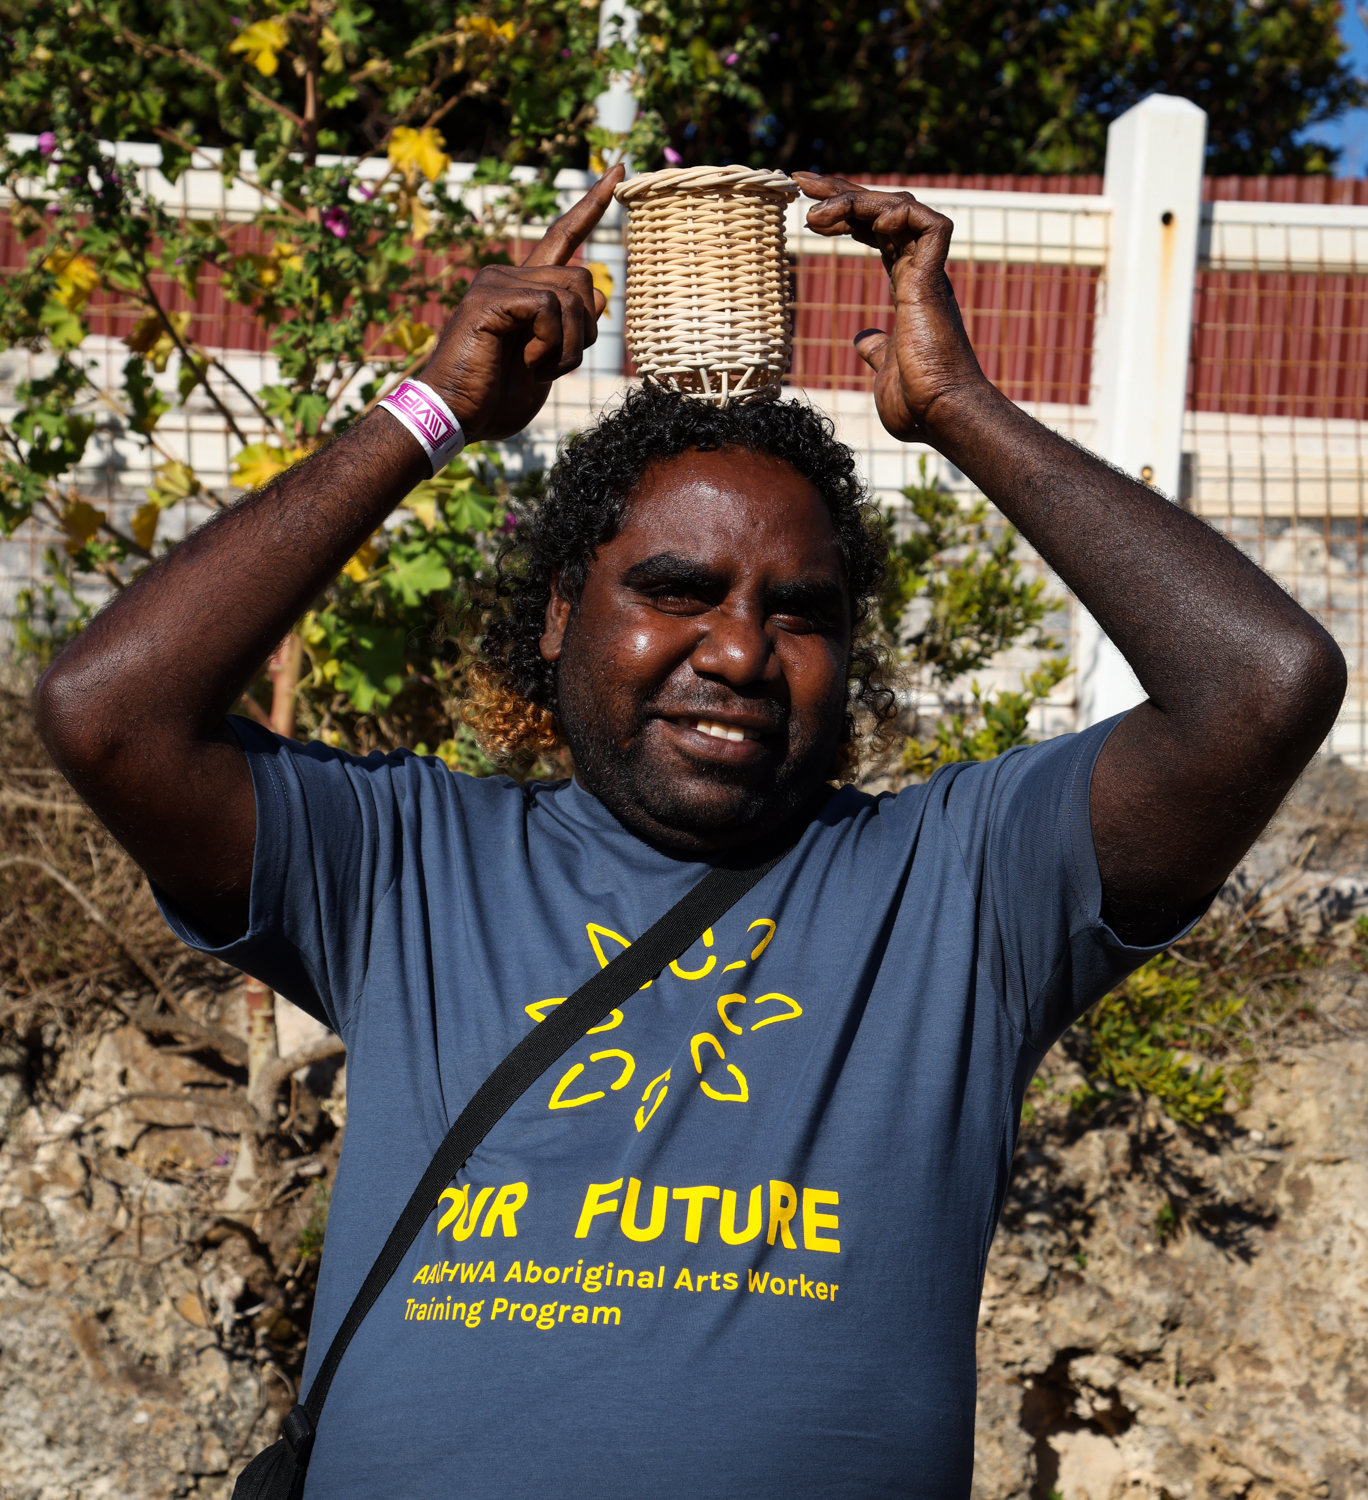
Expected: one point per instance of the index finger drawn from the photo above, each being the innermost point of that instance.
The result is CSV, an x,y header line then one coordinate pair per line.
x,y
820,185
573,227
843,204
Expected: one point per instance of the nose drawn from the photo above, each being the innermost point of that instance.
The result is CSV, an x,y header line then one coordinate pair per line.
x,y
735,648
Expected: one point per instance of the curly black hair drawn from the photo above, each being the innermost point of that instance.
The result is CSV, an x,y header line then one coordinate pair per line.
x,y
514,700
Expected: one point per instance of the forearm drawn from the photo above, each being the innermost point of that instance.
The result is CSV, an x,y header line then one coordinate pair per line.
x,y
1243,685
170,656
1202,627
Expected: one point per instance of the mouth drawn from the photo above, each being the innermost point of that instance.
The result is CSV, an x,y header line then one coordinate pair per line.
x,y
730,740
721,731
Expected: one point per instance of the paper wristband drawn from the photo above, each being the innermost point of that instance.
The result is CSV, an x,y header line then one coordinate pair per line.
x,y
429,419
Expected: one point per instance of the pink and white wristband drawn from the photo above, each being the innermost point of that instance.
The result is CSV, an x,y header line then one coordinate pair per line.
x,y
429,419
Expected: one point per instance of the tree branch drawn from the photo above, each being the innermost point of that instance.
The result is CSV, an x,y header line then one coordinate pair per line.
x,y
275,1072
140,44
179,140
189,359
231,1048
232,379
138,957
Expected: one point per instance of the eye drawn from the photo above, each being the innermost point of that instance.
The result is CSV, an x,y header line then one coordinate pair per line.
x,y
797,621
675,599
792,624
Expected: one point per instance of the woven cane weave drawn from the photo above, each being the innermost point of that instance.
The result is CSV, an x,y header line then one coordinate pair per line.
x,y
708,281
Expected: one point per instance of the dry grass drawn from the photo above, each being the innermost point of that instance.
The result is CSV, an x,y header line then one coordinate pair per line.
x,y
85,954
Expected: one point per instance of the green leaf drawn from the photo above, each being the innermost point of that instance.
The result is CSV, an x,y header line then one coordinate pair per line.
x,y
63,327
413,578
146,403
468,509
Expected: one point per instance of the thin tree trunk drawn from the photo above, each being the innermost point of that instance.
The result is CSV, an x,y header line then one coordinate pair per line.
x,y
285,669
262,1051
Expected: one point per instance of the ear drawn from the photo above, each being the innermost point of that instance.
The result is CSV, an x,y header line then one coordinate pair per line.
x,y
557,618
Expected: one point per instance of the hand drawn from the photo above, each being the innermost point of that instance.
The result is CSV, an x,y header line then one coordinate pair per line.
x,y
520,327
928,355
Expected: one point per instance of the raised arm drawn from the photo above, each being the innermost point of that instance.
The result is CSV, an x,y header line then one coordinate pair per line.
x,y
132,712
1243,684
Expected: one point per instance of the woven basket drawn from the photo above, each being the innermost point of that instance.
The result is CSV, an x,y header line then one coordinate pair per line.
x,y
708,281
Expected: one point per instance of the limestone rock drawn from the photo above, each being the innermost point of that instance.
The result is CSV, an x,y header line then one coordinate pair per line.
x,y
1117,1362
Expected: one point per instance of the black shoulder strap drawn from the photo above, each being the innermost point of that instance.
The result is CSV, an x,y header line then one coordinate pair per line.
x,y
709,900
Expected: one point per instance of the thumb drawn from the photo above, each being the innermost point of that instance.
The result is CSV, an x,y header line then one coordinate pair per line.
x,y
871,344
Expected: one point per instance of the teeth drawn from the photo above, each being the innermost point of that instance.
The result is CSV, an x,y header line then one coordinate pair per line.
x,y
719,731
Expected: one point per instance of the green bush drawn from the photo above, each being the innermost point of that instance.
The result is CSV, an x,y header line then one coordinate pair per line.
x,y
957,578
1184,1029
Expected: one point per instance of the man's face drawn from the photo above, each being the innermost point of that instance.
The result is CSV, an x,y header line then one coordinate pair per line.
x,y
702,678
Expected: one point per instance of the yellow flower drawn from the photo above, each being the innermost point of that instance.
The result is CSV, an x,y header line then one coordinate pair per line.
x,y
358,568
259,463
603,277
267,270
76,278
151,338
144,524
420,220
418,150
80,521
411,337
484,27
261,42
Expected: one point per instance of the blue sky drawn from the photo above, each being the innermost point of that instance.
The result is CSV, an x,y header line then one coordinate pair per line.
x,y
1351,131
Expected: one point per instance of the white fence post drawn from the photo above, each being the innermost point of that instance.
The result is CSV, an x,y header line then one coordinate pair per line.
x,y
1155,154
616,110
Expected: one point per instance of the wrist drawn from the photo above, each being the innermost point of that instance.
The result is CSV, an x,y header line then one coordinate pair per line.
x,y
425,414
956,411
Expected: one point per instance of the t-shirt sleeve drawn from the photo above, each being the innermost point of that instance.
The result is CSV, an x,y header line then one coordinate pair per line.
x,y
1025,831
328,847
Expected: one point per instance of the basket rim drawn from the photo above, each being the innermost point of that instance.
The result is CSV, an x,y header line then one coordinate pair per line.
x,y
670,181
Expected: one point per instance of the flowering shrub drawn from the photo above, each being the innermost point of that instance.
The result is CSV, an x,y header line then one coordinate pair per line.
x,y
348,280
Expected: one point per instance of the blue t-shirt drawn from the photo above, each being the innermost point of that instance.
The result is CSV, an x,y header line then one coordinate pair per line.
x,y
733,1242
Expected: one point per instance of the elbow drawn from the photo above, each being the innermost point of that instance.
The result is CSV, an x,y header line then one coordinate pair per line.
x,y
1300,692
72,722
1321,678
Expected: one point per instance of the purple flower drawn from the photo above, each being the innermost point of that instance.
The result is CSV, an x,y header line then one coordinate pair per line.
x,y
672,156
337,221
236,20
366,192
510,522
731,58
54,208
565,52
47,143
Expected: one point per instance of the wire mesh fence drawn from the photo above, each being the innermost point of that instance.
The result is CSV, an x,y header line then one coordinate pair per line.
x,y
1276,432
1274,435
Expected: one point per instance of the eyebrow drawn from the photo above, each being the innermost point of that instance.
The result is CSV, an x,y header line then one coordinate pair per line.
x,y
824,600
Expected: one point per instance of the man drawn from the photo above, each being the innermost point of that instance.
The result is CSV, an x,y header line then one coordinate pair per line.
x,y
733,1242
